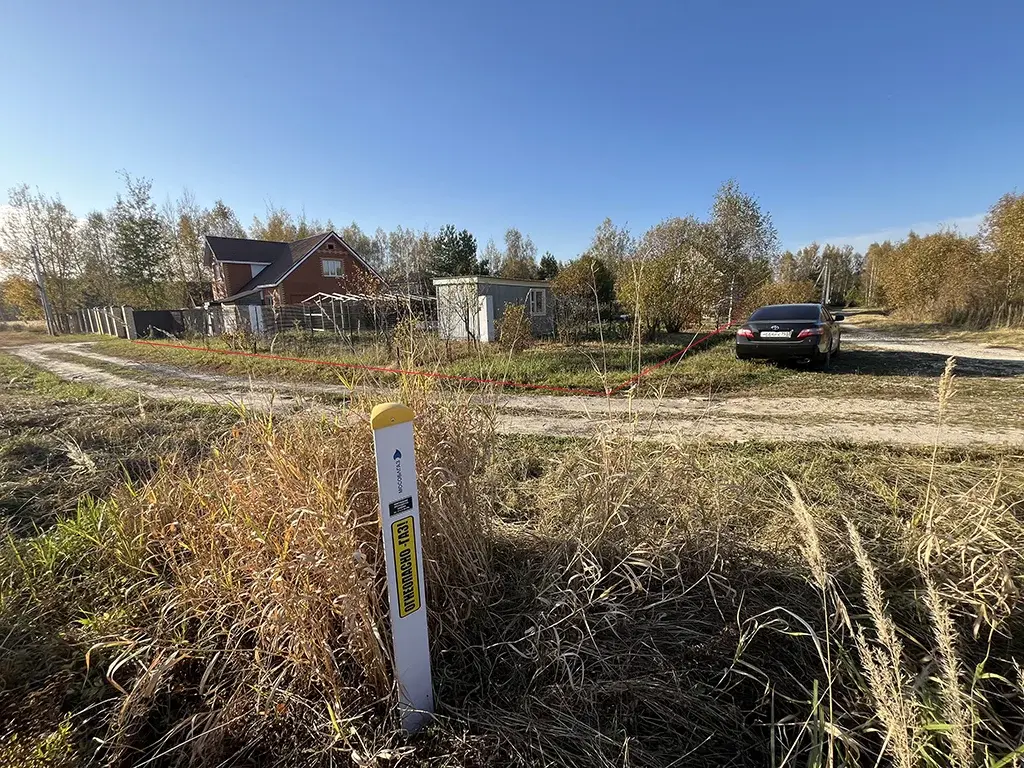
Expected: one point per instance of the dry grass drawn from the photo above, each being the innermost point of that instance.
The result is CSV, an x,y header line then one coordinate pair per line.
x,y
605,603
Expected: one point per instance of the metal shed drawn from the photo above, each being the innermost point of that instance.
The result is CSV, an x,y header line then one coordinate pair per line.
x,y
470,307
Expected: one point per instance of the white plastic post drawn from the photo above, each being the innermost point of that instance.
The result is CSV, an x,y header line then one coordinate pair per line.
x,y
403,556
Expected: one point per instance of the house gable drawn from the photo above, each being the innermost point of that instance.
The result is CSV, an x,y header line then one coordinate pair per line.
x,y
331,266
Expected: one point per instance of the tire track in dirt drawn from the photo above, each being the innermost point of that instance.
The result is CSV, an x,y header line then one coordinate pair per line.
x,y
788,419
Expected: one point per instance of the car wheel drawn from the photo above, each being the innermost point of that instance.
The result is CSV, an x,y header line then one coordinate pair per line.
x,y
823,361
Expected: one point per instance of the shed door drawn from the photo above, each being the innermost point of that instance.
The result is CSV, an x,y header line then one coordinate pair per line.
x,y
485,318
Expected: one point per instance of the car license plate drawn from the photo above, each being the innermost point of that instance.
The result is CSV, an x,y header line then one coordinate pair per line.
x,y
776,334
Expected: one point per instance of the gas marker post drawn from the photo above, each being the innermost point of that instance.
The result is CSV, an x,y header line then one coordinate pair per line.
x,y
403,556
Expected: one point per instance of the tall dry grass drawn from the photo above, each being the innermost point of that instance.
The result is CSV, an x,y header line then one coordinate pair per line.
x,y
591,603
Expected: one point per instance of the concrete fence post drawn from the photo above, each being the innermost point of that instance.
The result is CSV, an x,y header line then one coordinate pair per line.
x,y
129,323
96,327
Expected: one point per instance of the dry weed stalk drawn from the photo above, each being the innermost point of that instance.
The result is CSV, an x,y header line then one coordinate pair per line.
x,y
882,661
957,707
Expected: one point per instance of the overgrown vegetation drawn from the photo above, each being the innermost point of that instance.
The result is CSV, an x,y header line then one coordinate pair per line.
x,y
949,278
61,443
750,605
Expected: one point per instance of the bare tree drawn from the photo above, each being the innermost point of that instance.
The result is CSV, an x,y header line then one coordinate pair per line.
x,y
491,259
95,245
611,245
39,242
185,221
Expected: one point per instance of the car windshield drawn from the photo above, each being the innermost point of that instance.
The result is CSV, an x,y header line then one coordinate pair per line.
x,y
787,312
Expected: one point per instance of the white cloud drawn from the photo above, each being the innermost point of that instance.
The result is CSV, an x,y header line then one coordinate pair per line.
x,y
965,225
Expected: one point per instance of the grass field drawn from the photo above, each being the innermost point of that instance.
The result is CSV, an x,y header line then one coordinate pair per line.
x,y
711,372
592,603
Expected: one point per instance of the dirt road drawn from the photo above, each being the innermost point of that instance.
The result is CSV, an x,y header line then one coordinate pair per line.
x,y
867,339
787,418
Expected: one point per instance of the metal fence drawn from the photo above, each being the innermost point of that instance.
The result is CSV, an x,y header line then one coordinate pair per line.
x,y
352,319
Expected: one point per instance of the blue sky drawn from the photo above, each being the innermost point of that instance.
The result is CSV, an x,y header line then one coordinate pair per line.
x,y
846,120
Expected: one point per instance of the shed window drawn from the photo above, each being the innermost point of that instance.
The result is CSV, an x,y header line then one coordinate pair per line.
x,y
332,268
536,300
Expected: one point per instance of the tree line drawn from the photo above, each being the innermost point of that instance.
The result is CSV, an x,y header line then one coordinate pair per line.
x,y
139,254
681,272
952,278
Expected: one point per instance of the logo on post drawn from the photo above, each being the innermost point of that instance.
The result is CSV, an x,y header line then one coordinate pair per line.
x,y
403,540
398,468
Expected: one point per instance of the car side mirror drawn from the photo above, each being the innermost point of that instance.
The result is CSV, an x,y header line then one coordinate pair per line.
x,y
837,318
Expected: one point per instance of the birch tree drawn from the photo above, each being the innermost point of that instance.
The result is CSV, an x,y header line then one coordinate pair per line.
x,y
519,262
43,227
746,244
95,244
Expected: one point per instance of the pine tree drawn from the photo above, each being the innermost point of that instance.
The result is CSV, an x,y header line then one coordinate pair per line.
x,y
455,251
548,266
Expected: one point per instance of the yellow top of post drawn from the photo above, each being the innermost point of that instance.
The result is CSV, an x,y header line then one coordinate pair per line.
x,y
389,414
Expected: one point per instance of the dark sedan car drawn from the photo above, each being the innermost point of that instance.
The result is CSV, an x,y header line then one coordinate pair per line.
x,y
790,332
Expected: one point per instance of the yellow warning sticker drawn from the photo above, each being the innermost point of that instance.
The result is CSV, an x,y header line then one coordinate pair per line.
x,y
403,539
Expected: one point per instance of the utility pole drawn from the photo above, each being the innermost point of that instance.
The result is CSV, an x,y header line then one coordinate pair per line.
x,y
44,299
732,297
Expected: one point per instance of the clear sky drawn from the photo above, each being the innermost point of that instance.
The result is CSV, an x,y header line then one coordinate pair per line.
x,y
844,119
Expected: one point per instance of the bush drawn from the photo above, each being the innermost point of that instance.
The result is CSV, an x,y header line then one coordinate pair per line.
x,y
514,331
946,277
799,292
583,292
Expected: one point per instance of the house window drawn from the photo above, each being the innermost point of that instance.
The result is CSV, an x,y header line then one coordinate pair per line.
x,y
330,246
536,300
332,268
